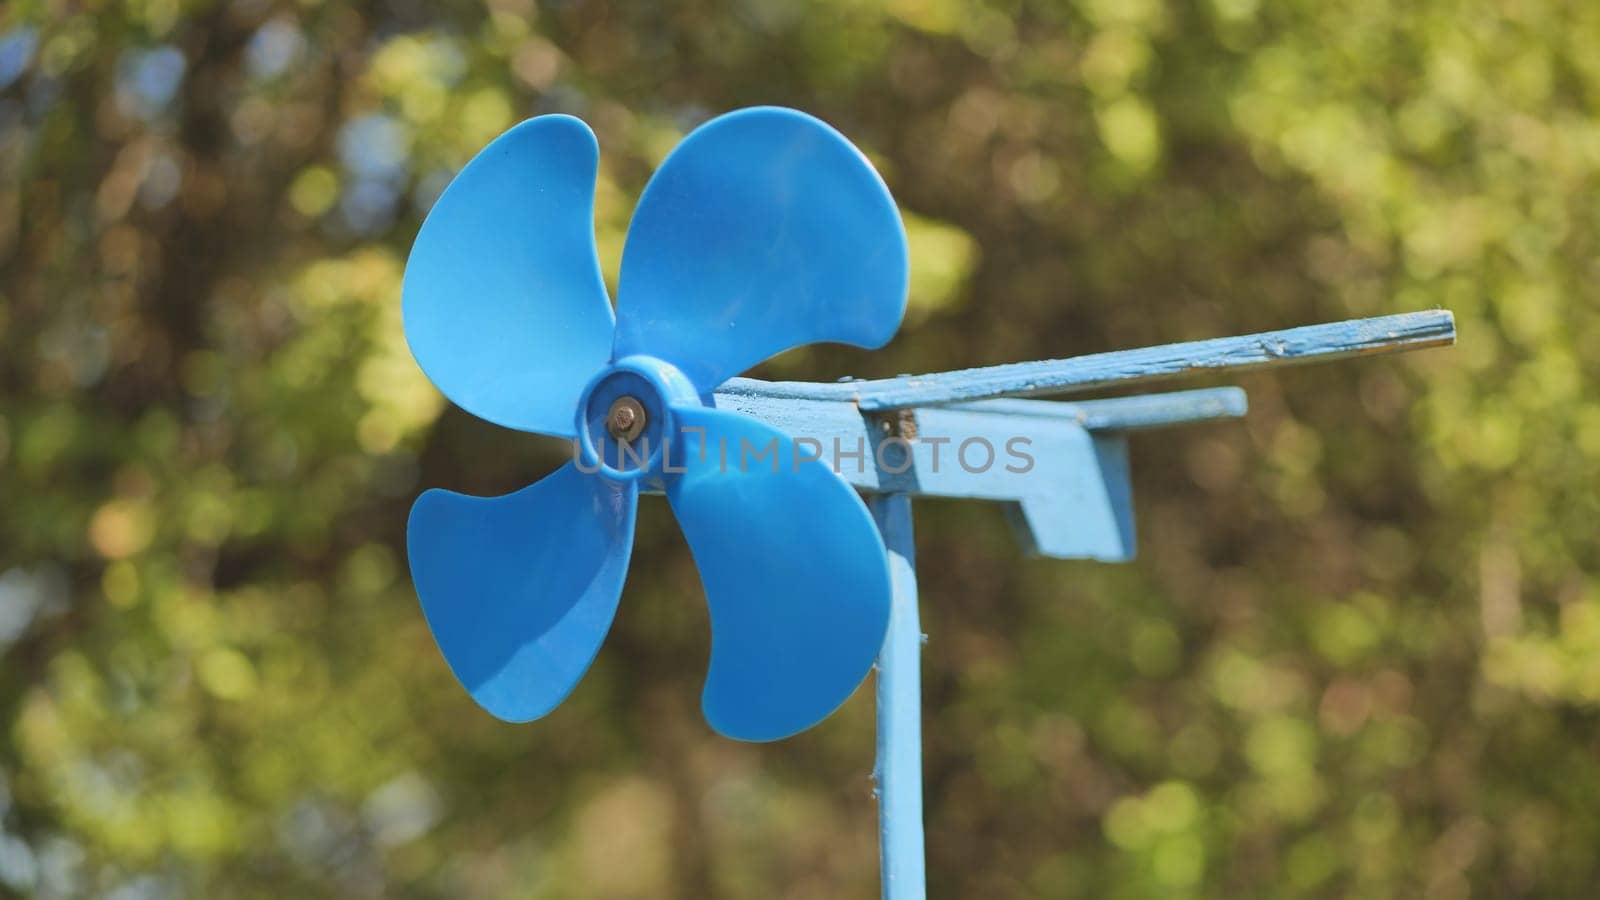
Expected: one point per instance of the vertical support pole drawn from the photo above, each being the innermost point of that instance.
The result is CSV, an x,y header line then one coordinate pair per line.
x,y
899,767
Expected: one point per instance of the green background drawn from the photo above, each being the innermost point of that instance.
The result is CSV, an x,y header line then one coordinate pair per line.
x,y
1359,655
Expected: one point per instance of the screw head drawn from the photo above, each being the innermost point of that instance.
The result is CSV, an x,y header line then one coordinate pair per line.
x,y
626,419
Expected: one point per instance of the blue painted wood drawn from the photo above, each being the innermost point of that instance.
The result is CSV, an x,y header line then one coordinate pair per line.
x,y
1075,500
1094,525
1070,485
1124,414
1122,368
1113,414
1061,468
899,438
899,766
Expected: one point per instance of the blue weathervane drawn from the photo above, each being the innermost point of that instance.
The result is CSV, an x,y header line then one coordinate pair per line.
x,y
763,231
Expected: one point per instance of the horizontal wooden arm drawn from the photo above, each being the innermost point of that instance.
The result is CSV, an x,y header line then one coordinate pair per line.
x,y
1125,368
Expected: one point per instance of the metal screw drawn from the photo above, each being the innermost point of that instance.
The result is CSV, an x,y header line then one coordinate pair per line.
x,y
623,418
626,420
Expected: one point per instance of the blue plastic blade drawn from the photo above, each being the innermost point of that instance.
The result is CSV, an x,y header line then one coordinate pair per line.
x,y
794,572
764,230
520,590
504,306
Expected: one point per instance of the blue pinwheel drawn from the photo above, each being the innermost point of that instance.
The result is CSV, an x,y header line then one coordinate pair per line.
x,y
763,231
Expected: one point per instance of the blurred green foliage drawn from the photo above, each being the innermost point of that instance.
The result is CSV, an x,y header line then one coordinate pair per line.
x,y
1359,655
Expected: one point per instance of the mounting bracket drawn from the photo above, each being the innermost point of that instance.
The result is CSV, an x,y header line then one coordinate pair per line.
x,y
1061,468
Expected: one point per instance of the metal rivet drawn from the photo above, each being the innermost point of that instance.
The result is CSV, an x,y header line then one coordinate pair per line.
x,y
626,419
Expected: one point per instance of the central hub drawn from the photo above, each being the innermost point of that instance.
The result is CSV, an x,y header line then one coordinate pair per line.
x,y
625,419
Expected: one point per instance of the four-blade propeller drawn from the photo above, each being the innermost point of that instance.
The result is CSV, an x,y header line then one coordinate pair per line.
x,y
763,231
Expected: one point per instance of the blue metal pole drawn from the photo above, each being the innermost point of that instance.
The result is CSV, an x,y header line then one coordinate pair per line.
x,y
899,766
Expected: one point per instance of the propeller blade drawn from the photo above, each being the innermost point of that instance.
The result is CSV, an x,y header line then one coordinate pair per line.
x,y
794,573
520,590
503,302
764,230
